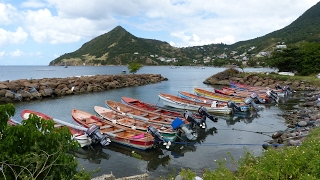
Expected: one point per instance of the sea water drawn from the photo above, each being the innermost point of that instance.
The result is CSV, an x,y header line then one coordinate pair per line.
x,y
233,134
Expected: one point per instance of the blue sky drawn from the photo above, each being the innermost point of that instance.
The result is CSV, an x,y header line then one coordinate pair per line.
x,y
35,32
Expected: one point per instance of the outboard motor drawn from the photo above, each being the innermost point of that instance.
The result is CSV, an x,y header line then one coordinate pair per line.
x,y
203,112
273,95
193,121
158,138
278,86
178,124
255,97
94,133
233,105
250,101
287,90
290,90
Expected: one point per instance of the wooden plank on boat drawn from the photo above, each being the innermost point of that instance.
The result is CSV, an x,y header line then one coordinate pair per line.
x,y
105,127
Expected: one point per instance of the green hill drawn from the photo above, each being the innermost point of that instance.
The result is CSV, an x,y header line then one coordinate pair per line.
x,y
119,47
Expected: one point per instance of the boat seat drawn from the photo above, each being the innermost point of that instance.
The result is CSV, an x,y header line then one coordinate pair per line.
x,y
105,127
116,131
156,117
145,114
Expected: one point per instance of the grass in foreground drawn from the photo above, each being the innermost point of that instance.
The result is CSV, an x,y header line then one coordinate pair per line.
x,y
292,162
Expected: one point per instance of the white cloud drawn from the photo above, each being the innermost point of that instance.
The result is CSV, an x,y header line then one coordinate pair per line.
x,y
33,4
8,37
190,40
2,53
46,28
7,13
16,53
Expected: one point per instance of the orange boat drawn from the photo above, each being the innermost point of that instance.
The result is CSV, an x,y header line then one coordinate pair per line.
x,y
79,133
117,133
150,107
218,97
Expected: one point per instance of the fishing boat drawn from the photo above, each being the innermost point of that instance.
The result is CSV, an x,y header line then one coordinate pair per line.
x,y
117,133
84,136
271,93
216,96
240,107
12,122
165,111
132,111
151,107
138,123
182,103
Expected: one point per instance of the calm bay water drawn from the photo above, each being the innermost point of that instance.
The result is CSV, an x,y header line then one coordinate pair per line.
x,y
230,134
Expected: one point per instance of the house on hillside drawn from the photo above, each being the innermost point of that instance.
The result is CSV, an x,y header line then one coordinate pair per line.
x,y
263,54
222,56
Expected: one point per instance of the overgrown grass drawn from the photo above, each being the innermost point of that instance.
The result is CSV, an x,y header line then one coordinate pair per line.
x,y
292,162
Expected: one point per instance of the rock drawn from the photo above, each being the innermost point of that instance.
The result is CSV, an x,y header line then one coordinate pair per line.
x,y
302,123
277,134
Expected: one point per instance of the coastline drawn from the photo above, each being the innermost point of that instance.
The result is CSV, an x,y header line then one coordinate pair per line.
x,y
300,121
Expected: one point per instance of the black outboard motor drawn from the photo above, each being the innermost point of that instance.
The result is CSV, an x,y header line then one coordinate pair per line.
x,y
233,105
158,138
278,86
193,121
155,133
203,112
178,124
250,101
94,133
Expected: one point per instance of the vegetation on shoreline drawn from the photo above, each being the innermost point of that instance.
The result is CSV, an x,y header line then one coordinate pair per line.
x,y
286,162
36,150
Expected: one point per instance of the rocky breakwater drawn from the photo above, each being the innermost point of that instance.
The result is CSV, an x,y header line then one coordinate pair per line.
x,y
300,121
253,79
31,89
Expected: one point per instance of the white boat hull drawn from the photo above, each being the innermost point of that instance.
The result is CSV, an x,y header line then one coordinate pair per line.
x,y
83,140
181,105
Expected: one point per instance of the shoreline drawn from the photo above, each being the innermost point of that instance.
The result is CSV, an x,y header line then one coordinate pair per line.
x,y
300,121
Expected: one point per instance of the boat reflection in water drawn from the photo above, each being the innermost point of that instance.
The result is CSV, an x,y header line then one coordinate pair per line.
x,y
183,145
94,153
154,157
238,117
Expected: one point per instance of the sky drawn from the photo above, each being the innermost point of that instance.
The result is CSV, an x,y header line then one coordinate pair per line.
x,y
35,32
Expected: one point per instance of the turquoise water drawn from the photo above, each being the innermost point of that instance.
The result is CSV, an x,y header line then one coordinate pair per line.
x,y
230,134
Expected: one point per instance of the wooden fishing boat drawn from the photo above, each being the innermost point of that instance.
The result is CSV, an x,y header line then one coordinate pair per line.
x,y
152,117
167,132
281,91
182,103
117,133
218,97
78,135
150,107
164,111
243,93
241,107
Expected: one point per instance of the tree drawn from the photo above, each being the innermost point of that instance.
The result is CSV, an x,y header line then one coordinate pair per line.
x,y
134,67
36,150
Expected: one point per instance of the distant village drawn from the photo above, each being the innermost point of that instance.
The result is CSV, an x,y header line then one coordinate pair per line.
x,y
233,55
